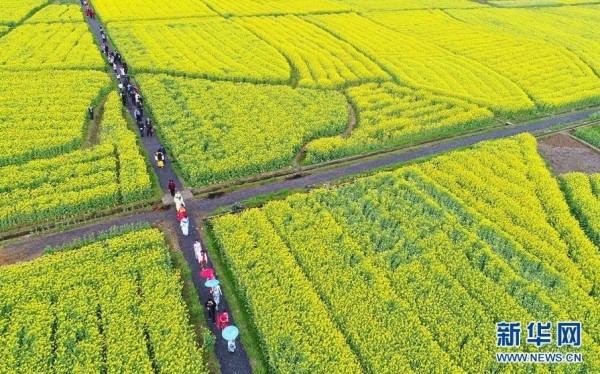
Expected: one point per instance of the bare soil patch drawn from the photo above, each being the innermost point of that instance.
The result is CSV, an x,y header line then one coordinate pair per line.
x,y
566,154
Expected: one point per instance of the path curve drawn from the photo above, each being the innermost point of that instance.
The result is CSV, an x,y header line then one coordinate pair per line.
x,y
349,128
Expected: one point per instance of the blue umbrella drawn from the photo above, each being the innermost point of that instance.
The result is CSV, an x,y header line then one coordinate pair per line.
x,y
230,333
211,283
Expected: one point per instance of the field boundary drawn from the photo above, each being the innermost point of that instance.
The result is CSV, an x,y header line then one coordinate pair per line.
x,y
295,172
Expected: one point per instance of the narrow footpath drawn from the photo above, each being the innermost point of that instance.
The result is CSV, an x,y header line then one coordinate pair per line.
x,y
234,363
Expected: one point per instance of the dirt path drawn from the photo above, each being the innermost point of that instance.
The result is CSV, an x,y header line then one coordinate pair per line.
x,y
351,121
351,125
566,154
29,247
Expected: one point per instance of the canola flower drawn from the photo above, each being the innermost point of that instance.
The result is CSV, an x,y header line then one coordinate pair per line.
x,y
489,237
590,134
214,48
535,3
39,46
371,5
422,64
14,11
108,306
137,10
302,319
57,13
43,113
389,115
257,7
552,75
583,194
319,59
220,131
574,28
88,180
134,180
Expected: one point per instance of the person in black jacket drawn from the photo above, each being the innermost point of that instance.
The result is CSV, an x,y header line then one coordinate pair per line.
x,y
210,308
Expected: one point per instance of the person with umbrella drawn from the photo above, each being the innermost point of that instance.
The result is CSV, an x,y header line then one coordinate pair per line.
x,y
211,309
230,333
223,319
208,273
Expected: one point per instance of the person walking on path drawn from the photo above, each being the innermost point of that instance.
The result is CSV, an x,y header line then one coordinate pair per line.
x,y
123,98
181,215
203,259
197,250
184,224
124,64
216,294
208,273
178,199
91,112
172,187
138,120
223,319
149,129
162,150
211,309
160,160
